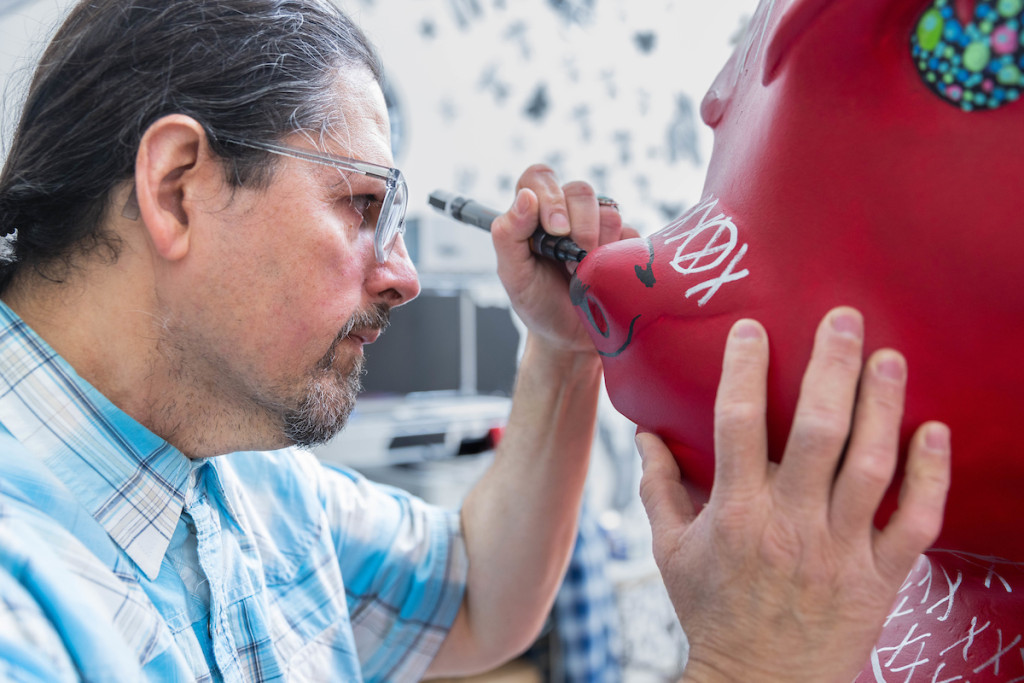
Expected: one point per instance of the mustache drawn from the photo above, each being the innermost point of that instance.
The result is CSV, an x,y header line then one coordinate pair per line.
x,y
376,317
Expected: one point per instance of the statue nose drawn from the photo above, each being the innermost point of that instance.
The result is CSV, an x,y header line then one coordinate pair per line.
x,y
588,302
608,293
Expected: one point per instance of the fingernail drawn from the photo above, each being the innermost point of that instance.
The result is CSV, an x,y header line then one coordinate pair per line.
x,y
891,368
522,203
639,445
747,330
936,437
848,323
558,223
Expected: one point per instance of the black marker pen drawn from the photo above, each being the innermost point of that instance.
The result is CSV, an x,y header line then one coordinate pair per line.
x,y
475,213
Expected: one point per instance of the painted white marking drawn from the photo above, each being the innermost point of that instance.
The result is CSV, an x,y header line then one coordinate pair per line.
x,y
907,640
969,638
952,594
935,676
897,613
706,247
876,667
716,284
998,656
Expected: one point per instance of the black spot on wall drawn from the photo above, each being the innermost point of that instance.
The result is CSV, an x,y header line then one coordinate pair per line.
x,y
574,11
681,136
537,107
645,41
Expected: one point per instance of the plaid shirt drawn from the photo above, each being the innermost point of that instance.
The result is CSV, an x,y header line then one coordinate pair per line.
x,y
586,616
123,560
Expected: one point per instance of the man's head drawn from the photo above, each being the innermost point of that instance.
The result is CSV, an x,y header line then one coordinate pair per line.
x,y
147,178
850,167
248,70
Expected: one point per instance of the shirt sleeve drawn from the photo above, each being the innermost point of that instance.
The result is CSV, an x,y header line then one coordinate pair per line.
x,y
30,648
404,566
50,629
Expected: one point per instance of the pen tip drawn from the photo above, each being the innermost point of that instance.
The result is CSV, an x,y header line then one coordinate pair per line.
x,y
437,201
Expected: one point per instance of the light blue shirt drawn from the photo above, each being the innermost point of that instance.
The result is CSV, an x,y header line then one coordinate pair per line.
x,y
123,560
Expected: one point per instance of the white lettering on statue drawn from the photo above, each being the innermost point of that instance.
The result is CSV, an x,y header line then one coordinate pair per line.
x,y
938,670
968,640
949,598
705,248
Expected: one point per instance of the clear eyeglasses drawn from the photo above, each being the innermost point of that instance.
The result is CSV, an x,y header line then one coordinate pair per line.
x,y
390,214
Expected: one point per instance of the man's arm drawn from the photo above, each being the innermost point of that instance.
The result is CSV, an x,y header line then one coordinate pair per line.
x,y
519,520
783,576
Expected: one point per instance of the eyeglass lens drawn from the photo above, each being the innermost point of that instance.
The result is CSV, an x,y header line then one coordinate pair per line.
x,y
391,221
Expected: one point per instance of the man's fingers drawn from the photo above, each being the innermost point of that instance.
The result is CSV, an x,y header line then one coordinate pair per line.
x,y
554,211
668,505
520,221
872,453
916,523
740,405
584,214
612,229
822,420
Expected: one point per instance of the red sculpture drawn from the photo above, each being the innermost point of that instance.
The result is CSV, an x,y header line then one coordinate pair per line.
x,y
869,153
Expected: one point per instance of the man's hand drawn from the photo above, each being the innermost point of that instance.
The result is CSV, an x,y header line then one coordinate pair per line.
x,y
782,576
538,288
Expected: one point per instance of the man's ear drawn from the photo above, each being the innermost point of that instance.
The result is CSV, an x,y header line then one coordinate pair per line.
x,y
167,175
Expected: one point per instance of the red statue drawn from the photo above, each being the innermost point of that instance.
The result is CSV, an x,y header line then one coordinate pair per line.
x,y
869,153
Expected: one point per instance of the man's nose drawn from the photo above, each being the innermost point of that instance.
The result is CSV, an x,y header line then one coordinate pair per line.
x,y
395,281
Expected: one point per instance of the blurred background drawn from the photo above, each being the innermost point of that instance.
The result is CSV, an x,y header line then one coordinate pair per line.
x,y
606,91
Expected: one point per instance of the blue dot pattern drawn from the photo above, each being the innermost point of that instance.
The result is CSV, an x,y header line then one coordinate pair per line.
x,y
978,66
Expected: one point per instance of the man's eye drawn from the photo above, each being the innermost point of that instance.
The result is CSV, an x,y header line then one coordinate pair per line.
x,y
367,206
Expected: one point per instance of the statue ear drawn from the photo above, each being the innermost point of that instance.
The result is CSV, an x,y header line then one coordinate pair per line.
x,y
780,27
966,52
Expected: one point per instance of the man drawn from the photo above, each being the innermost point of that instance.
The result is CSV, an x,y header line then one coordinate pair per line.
x,y
204,231
181,290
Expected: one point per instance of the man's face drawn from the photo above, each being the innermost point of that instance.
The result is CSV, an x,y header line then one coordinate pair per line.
x,y
284,288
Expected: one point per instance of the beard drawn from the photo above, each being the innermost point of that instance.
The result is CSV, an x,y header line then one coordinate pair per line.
x,y
331,393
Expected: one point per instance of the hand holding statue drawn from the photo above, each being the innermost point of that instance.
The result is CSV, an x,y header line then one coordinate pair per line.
x,y
783,576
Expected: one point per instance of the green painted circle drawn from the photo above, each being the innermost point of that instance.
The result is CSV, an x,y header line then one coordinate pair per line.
x,y
1009,75
1009,8
929,29
976,56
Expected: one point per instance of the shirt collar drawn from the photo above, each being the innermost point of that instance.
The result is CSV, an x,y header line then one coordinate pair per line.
x,y
130,480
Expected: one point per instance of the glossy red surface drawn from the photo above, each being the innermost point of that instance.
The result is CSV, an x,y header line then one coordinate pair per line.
x,y
839,177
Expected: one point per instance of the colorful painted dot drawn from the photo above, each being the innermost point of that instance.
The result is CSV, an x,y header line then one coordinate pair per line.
x,y
974,65
1004,40
1009,75
976,56
1009,8
929,30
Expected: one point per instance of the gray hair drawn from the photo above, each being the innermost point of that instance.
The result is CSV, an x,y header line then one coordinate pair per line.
x,y
244,69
